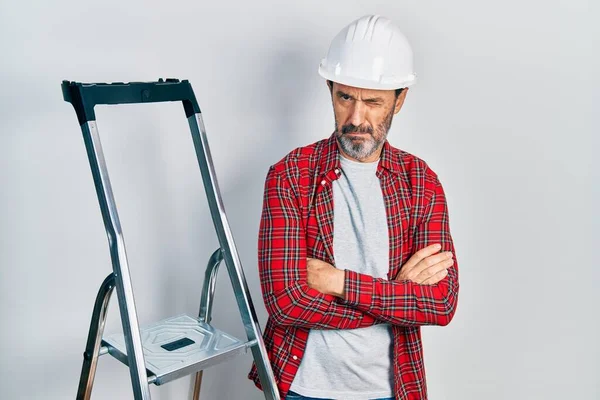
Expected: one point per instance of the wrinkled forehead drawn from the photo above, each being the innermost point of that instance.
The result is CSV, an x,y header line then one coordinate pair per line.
x,y
363,94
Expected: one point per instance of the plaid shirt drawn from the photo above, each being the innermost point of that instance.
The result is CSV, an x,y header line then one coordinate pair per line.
x,y
297,222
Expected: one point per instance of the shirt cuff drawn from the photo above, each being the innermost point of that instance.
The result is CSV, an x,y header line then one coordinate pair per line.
x,y
358,290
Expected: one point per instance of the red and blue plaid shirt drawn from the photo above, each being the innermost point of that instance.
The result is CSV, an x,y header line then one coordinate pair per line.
x,y
297,222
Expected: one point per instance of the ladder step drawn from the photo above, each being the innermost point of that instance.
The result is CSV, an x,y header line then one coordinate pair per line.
x,y
179,346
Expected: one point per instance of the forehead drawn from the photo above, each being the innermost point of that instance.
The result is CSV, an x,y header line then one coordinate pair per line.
x,y
360,93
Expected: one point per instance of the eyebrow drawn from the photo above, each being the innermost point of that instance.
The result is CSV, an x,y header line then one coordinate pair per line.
x,y
339,93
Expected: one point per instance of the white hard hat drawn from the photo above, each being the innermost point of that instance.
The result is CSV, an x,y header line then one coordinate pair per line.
x,y
370,53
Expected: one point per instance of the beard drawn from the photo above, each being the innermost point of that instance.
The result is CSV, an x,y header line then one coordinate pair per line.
x,y
365,145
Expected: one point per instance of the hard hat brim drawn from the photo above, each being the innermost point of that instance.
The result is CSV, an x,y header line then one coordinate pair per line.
x,y
365,83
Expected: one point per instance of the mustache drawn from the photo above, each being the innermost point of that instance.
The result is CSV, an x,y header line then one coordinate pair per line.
x,y
349,128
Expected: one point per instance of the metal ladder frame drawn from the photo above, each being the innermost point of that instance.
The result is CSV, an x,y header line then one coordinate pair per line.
x,y
84,97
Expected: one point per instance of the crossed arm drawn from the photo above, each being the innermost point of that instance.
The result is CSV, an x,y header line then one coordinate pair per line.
x,y
363,300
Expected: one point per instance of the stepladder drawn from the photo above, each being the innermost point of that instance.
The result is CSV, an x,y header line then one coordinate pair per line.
x,y
181,345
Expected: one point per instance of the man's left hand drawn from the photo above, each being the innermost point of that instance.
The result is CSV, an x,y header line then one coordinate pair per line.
x,y
325,277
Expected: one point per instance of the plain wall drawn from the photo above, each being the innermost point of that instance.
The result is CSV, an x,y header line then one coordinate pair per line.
x,y
502,112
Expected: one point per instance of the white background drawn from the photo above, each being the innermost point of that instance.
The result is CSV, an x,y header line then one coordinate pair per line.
x,y
502,112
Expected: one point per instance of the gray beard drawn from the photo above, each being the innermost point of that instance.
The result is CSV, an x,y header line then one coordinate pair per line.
x,y
361,149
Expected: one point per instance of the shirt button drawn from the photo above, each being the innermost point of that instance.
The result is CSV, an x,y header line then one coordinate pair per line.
x,y
323,182
295,357
337,171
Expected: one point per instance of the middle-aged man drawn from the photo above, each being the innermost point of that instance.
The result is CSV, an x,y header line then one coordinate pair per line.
x,y
355,252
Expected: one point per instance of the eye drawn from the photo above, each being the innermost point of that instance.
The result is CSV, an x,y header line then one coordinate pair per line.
x,y
344,96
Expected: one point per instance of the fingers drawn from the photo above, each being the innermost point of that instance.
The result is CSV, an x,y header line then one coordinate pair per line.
x,y
420,255
436,270
435,278
430,261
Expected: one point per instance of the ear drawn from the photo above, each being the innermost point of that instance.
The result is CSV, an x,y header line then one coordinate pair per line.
x,y
400,100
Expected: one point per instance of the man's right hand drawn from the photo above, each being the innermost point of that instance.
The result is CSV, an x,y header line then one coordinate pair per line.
x,y
425,267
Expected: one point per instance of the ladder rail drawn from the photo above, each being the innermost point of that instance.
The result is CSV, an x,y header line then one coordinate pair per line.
x,y
92,350
206,303
120,265
209,286
232,260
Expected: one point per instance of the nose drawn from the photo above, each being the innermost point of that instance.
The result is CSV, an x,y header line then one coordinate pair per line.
x,y
357,116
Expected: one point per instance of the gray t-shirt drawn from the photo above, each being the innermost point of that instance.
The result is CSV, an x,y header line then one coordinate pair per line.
x,y
353,364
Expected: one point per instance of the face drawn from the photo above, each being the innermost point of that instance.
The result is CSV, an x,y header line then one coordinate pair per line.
x,y
363,118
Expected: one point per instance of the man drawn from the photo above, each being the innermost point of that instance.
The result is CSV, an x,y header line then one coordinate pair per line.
x,y
355,252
